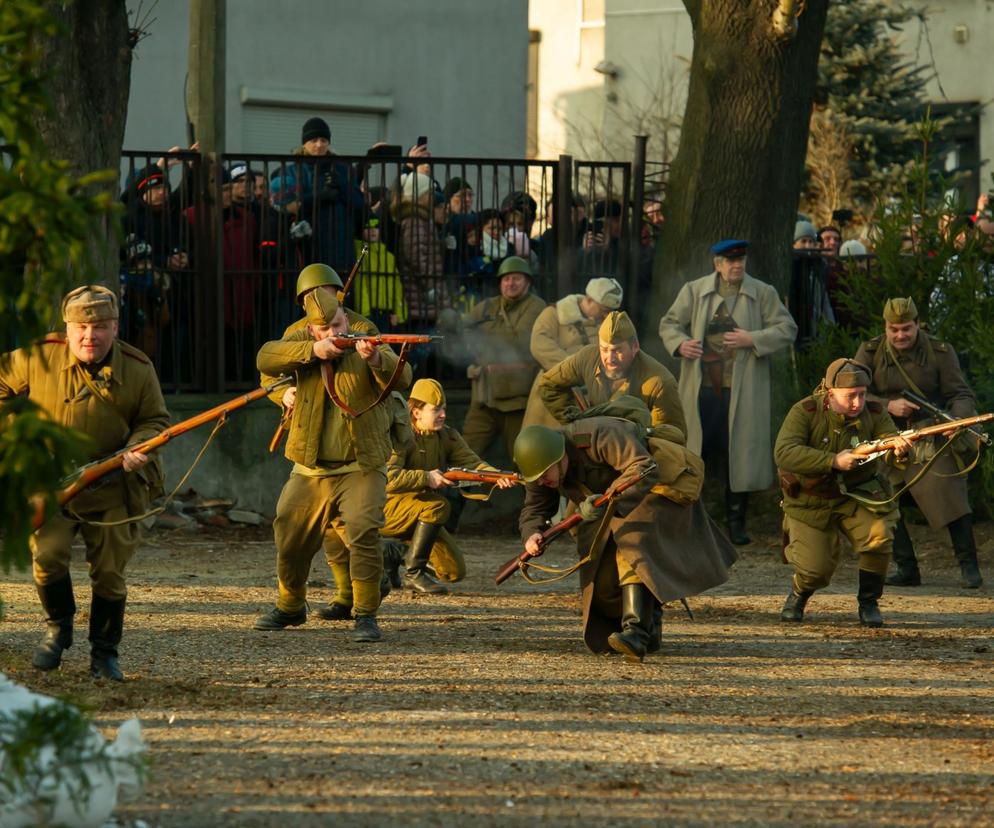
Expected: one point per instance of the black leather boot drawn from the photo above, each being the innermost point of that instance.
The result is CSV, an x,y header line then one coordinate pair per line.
x,y
276,619
637,605
961,534
871,587
793,607
60,606
736,505
106,628
906,573
656,631
457,503
393,557
415,575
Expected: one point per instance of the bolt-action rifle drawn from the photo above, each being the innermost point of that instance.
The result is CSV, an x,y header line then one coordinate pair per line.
x,y
553,532
92,472
942,416
472,477
872,449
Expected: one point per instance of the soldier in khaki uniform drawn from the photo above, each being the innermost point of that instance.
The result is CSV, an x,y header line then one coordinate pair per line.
x,y
614,367
563,329
416,509
818,472
497,332
653,544
905,357
89,381
310,278
339,461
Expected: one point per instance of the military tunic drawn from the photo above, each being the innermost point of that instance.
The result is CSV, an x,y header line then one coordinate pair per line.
x,y
647,380
934,369
816,509
118,406
498,334
559,332
675,550
409,499
340,466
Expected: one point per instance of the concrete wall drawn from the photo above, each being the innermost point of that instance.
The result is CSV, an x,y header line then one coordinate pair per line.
x,y
455,70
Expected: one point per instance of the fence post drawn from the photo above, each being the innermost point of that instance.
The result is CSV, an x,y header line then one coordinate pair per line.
x,y
634,301
209,344
565,232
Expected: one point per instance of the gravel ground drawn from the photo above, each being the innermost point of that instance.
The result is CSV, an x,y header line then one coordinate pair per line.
x,y
483,706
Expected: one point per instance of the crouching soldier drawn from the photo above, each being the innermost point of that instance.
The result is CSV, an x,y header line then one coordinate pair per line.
x,y
652,544
828,492
416,508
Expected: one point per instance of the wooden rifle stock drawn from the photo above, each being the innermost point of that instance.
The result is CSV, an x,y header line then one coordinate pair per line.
x,y
874,448
459,475
91,472
343,341
939,414
553,532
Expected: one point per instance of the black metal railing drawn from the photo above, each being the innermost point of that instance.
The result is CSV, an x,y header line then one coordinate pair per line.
x,y
209,268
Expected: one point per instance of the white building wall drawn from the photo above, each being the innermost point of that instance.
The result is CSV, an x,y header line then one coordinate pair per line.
x,y
454,70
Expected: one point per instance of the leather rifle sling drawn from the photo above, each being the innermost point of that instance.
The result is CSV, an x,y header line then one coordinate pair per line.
x,y
328,377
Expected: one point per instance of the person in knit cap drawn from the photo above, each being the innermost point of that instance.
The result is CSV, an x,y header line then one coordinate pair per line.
x,y
613,367
339,443
828,494
563,329
86,379
417,508
905,357
323,196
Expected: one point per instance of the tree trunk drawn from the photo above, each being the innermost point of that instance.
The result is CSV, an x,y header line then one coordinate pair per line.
x,y
89,64
739,167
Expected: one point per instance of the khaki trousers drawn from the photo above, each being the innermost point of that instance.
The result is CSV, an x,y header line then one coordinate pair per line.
x,y
308,507
404,511
108,550
814,553
484,424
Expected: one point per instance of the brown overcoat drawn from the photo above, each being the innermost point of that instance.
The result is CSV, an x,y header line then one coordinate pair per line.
x,y
675,550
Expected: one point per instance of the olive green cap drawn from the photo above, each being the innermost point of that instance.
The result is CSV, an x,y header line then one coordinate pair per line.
x,y
89,303
316,275
321,305
900,310
616,329
536,449
847,373
428,391
514,264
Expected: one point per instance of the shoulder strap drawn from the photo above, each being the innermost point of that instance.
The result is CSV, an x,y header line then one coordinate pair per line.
x,y
328,377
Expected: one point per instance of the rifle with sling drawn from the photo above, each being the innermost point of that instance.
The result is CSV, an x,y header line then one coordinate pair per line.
x,y
92,472
553,532
943,416
871,449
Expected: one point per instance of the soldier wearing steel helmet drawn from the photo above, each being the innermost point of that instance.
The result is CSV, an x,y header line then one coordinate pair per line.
x,y
497,332
654,543
88,380
416,508
338,481
828,494
905,357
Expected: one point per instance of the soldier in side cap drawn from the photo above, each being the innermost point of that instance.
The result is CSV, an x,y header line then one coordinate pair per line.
x,y
822,481
416,508
338,481
89,381
611,368
907,358
724,327
563,329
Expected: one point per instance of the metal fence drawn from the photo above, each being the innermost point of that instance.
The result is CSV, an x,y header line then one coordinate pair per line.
x,y
211,250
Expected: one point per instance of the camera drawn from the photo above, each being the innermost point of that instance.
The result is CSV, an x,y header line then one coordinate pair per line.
x,y
842,216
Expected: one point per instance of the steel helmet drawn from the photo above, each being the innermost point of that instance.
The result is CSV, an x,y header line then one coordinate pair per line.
x,y
316,275
514,264
536,449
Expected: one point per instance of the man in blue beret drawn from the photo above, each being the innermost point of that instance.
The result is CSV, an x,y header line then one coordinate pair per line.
x,y
724,327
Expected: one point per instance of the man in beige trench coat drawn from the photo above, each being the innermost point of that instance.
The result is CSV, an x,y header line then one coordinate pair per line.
x,y
724,327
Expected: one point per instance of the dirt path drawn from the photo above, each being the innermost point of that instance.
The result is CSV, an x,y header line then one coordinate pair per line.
x,y
483,707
